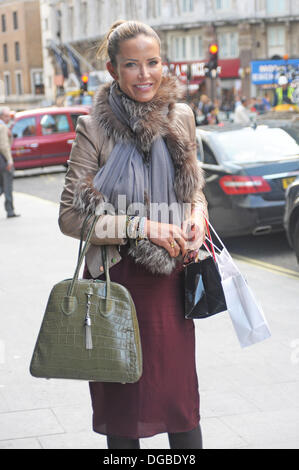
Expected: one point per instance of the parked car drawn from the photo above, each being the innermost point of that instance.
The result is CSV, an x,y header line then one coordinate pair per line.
x,y
44,137
291,216
247,171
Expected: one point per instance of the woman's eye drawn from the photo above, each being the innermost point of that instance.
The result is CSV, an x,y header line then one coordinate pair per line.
x,y
130,64
153,62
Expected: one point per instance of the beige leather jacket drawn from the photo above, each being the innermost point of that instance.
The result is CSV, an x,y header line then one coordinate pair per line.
x,y
90,151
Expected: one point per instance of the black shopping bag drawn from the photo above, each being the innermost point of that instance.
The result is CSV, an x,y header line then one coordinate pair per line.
x,y
204,294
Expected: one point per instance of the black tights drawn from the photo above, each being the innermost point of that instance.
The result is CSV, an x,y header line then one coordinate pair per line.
x,y
179,440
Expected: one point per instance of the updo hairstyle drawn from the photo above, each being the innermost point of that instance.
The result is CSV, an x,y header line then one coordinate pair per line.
x,y
120,31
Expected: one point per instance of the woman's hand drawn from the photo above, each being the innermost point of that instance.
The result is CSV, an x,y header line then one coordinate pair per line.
x,y
169,236
195,230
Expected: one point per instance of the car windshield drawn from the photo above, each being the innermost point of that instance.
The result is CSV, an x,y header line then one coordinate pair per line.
x,y
256,145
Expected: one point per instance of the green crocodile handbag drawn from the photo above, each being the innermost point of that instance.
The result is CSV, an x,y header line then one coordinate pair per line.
x,y
89,330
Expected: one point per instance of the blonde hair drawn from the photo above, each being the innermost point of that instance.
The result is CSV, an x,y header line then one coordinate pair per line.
x,y
120,31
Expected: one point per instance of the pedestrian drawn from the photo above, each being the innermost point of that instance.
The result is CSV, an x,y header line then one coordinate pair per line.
x,y
138,142
284,92
6,163
241,113
204,109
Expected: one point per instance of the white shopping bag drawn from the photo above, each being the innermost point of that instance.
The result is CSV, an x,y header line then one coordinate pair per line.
x,y
247,316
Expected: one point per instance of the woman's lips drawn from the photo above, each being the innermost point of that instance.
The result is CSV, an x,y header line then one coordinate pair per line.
x,y
144,87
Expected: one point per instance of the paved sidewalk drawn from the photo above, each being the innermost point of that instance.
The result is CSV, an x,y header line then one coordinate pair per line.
x,y
249,397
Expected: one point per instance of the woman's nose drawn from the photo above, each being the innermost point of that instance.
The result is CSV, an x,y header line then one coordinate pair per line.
x,y
143,71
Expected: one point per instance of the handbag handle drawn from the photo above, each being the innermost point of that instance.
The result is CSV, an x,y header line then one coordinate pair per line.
x,y
82,252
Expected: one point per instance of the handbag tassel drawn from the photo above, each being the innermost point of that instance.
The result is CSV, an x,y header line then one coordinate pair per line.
x,y
88,337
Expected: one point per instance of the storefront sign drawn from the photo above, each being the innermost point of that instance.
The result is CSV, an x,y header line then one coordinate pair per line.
x,y
267,72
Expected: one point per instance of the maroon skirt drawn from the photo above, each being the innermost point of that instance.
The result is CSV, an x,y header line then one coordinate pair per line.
x,y
166,398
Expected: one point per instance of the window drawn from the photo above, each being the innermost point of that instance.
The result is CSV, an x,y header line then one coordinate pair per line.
x,y
15,19
196,48
74,118
71,21
24,128
19,85
184,54
83,19
17,51
276,40
54,123
193,46
157,8
5,53
228,45
180,52
276,6
153,8
3,23
187,5
37,82
200,47
187,47
7,85
223,4
209,157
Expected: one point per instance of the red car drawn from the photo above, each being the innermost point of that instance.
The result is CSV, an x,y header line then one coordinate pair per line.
x,y
44,137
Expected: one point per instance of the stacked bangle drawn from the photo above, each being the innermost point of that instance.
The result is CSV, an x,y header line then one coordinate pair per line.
x,y
136,227
141,228
132,227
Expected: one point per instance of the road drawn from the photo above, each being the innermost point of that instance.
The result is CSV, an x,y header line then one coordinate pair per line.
x,y
271,251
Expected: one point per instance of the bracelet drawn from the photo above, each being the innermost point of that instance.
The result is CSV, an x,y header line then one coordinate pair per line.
x,y
132,227
141,228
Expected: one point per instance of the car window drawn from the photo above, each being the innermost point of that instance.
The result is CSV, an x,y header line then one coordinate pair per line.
x,y
54,123
208,155
24,128
74,118
256,145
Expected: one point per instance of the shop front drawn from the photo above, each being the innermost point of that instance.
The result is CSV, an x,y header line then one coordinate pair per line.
x,y
193,76
265,75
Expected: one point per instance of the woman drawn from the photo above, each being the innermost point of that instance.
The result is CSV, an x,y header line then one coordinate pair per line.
x,y
139,143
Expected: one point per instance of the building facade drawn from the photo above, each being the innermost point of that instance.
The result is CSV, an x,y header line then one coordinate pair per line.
x,y
21,64
245,30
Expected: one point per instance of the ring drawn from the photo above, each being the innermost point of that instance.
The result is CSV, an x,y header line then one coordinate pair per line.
x,y
172,244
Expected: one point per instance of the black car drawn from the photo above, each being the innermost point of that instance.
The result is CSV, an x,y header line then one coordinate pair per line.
x,y
247,171
291,216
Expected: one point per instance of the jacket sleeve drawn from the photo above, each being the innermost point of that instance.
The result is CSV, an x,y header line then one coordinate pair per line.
x,y
82,166
199,202
5,144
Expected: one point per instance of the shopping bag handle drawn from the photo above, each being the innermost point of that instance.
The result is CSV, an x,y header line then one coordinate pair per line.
x,y
214,231
210,240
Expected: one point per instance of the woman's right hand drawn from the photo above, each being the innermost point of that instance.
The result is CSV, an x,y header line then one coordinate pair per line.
x,y
169,236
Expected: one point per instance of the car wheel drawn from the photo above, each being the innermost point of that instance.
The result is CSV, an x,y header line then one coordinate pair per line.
x,y
296,240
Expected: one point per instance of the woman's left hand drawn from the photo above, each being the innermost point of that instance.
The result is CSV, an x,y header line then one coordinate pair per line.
x,y
195,230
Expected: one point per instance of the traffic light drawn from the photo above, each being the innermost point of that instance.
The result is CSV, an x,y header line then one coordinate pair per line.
x,y
213,60
84,82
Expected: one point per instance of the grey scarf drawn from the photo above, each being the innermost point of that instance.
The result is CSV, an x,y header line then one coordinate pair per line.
x,y
146,184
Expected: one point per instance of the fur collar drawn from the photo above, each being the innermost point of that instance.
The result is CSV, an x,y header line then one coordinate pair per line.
x,y
152,118
157,117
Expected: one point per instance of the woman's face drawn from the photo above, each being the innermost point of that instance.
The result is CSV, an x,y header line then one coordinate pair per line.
x,y
138,69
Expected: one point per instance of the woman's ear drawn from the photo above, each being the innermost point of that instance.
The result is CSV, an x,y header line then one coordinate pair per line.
x,y
111,70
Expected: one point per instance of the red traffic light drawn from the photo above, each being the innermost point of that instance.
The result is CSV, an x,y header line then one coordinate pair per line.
x,y
213,49
84,78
